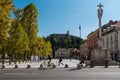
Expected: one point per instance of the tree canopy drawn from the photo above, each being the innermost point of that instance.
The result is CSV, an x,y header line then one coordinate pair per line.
x,y
18,35
5,10
29,22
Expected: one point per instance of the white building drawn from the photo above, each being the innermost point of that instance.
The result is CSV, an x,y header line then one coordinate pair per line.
x,y
62,52
111,38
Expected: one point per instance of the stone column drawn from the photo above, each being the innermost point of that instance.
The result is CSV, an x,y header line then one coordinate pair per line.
x,y
100,13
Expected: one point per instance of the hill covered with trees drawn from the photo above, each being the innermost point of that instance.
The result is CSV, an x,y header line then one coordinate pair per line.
x,y
64,41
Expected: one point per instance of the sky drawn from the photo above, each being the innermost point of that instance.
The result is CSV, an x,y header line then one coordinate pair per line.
x,y
60,16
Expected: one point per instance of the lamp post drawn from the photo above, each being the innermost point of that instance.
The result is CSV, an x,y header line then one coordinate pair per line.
x,y
80,38
80,33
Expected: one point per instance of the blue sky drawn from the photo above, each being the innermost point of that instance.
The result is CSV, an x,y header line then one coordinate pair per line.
x,y
59,16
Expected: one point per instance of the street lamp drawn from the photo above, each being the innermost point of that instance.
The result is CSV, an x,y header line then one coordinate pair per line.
x,y
80,38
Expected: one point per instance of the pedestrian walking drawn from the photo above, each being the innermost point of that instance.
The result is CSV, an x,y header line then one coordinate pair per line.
x,y
60,61
49,60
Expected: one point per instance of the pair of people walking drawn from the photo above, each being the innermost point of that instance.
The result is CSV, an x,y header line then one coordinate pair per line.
x,y
59,62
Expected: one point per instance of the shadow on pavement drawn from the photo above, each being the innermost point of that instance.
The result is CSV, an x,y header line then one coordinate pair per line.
x,y
74,69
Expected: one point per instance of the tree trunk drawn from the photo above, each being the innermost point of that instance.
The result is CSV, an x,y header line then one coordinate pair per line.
x,y
15,58
3,57
24,56
10,59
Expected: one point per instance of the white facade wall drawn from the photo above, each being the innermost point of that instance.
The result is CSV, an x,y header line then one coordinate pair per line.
x,y
110,41
62,52
119,40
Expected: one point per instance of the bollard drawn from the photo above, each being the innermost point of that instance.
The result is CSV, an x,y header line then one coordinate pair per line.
x,y
106,63
54,66
41,67
66,66
28,66
16,66
92,63
3,66
119,63
79,66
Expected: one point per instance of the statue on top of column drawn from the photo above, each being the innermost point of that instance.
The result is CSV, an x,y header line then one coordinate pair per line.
x,y
100,10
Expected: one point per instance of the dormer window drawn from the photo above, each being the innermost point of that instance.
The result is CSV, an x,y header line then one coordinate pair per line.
x,y
108,28
112,26
104,30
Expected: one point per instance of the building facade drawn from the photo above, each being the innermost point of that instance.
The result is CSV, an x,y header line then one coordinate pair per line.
x,y
84,48
62,52
92,42
111,38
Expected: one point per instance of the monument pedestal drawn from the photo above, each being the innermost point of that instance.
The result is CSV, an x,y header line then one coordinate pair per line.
x,y
100,43
100,55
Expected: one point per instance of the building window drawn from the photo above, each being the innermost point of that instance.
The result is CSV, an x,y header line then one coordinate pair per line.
x,y
111,41
107,45
103,43
115,42
115,36
62,54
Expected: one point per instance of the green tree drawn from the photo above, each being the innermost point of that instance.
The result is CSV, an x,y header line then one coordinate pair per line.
x,y
18,40
5,10
42,47
30,24
48,48
18,13
67,41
